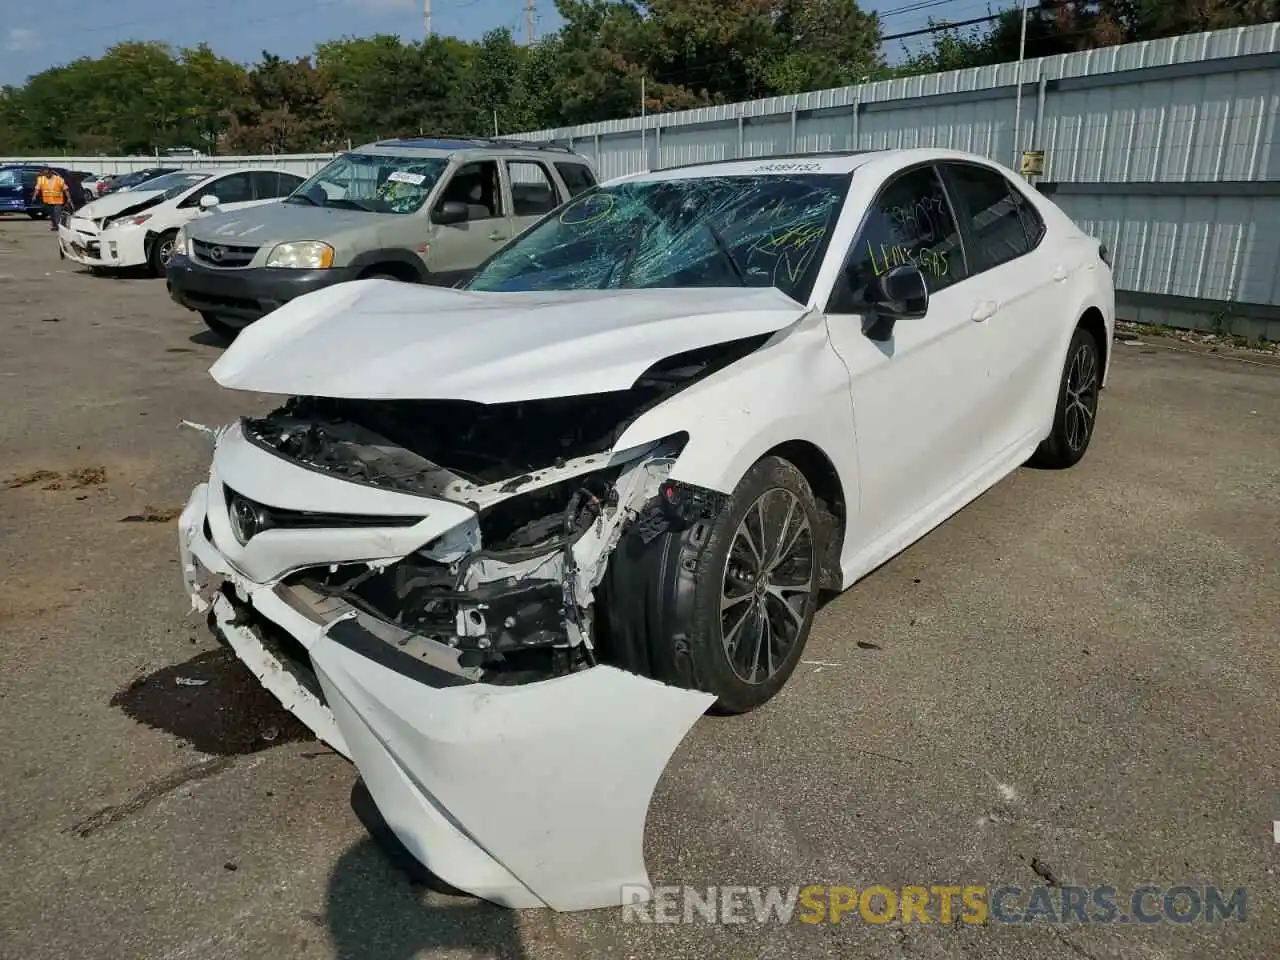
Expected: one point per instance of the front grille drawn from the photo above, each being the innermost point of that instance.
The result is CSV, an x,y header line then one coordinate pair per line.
x,y
222,254
278,518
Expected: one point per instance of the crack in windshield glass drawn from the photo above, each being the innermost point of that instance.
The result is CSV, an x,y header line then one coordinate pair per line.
x,y
753,231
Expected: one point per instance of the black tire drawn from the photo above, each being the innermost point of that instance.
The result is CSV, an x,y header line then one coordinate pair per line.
x,y
1077,408
161,251
219,326
35,214
662,609
383,276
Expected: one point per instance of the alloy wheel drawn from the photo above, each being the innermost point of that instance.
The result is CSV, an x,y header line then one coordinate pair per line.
x,y
1082,396
768,581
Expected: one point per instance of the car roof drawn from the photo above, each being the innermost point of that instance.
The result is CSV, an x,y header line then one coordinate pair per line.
x,y
830,162
447,146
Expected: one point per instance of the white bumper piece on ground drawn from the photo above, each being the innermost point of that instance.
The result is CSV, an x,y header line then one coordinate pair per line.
x,y
529,795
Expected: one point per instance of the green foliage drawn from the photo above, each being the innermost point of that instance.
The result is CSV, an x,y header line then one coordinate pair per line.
x,y
140,97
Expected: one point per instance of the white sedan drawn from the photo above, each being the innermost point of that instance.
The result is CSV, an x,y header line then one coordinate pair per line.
x,y
504,544
137,227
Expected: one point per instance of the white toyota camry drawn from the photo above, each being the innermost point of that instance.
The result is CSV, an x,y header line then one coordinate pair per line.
x,y
502,545
137,227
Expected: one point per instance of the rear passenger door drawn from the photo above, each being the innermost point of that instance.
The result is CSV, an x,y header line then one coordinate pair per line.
x,y
533,192
1022,284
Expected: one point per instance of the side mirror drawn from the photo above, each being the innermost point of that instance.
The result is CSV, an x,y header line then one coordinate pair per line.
x,y
900,294
450,211
208,202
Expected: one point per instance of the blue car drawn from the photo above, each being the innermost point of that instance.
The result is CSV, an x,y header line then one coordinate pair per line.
x,y
18,182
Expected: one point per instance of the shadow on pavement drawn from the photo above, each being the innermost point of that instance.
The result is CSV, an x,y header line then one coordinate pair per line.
x,y
212,702
379,907
207,338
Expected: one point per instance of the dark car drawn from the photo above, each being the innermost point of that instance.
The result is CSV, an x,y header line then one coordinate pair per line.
x,y
18,183
135,178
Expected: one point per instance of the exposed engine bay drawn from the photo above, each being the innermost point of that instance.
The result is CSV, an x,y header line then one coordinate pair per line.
x,y
513,589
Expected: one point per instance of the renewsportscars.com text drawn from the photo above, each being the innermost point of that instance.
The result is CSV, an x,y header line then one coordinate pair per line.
x,y
942,904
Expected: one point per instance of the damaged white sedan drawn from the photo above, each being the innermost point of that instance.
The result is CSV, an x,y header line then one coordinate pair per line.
x,y
503,545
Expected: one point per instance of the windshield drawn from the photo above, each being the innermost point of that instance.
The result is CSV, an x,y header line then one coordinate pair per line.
x,y
141,176
751,231
376,184
172,184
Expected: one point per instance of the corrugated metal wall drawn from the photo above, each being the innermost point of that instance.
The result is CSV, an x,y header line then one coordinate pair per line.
x,y
1166,150
303,164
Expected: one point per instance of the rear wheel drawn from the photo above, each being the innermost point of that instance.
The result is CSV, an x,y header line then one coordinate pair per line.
x,y
35,214
228,331
1077,408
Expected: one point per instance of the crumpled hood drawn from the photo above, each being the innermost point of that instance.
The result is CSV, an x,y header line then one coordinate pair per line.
x,y
114,203
384,340
279,222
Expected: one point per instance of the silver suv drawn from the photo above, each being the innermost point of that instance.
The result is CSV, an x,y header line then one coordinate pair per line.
x,y
423,210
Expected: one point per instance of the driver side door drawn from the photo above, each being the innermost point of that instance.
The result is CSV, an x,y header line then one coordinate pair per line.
x,y
456,249
915,394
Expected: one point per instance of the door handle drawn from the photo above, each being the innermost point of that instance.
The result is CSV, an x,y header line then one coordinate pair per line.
x,y
497,236
1059,274
985,310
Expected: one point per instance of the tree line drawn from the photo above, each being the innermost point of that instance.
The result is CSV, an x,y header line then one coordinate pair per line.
x,y
144,96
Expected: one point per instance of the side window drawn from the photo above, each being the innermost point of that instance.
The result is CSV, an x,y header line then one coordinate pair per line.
x,y
990,206
269,185
909,222
236,188
532,193
576,176
476,185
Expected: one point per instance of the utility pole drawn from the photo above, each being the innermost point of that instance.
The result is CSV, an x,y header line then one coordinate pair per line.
x,y
644,146
528,22
426,19
1017,106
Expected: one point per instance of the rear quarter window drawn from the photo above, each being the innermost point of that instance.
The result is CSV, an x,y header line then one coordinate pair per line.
x,y
577,177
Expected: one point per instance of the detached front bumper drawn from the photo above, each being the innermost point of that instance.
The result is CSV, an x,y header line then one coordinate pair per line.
x,y
530,795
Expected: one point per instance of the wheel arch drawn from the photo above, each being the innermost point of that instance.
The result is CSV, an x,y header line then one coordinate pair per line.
x,y
396,262
1092,320
824,480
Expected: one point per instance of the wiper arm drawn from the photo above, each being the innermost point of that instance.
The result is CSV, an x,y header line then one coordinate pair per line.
x,y
724,251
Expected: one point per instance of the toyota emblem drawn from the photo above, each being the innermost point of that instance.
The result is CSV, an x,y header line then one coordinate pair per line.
x,y
217,253
246,520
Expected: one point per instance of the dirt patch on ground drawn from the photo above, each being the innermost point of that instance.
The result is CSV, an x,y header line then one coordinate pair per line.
x,y
79,478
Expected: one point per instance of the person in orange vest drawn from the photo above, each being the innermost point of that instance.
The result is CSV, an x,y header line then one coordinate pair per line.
x,y
51,190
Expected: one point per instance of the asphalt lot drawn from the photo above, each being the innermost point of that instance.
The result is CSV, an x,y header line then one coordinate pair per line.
x,y
1080,669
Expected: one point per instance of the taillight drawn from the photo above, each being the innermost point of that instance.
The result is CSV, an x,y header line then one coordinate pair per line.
x,y
1105,254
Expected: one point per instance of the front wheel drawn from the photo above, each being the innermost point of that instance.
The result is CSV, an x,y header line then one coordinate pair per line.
x,y
161,252
1077,409
724,605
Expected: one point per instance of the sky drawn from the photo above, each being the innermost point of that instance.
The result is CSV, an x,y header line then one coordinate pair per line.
x,y
37,35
